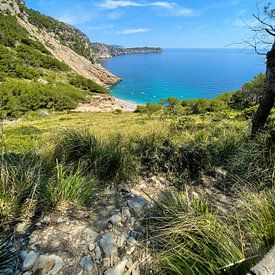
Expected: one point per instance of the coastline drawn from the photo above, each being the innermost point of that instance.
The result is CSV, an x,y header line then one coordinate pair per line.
x,y
126,105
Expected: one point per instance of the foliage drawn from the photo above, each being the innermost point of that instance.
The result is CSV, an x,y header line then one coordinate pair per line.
x,y
68,35
149,109
81,151
86,84
250,94
19,97
193,237
66,187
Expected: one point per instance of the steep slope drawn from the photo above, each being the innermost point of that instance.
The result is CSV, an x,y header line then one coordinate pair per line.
x,y
63,41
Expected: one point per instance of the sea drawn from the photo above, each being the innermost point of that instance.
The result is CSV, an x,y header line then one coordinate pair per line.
x,y
182,73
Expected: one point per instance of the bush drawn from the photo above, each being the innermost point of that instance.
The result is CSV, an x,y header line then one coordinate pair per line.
x,y
86,84
20,97
79,150
250,94
23,178
191,236
149,109
69,188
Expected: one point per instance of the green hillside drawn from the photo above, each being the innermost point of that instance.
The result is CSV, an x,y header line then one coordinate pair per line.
x,y
27,68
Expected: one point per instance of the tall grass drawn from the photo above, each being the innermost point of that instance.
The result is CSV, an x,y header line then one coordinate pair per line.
x,y
191,236
107,160
72,188
22,180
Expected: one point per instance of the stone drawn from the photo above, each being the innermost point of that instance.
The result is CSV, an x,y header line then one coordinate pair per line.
x,y
46,219
137,204
98,253
50,264
86,263
21,227
123,188
126,213
29,261
27,273
106,262
116,219
90,235
91,247
121,240
117,270
107,244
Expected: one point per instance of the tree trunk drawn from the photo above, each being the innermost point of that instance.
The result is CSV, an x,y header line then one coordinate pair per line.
x,y
268,100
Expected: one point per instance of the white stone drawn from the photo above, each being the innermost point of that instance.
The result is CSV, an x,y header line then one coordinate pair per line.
x,y
29,261
121,240
50,264
91,246
98,253
126,213
116,219
117,270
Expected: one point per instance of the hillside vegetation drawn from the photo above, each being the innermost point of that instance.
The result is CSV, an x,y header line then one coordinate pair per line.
x,y
45,82
66,157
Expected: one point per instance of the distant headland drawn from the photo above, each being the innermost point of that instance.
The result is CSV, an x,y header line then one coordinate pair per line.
x,y
108,51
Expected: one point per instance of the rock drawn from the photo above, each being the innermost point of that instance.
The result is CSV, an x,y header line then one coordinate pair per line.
x,y
126,213
107,244
123,188
121,240
106,262
137,204
90,235
266,266
21,227
98,253
116,219
50,264
7,271
91,247
29,261
86,263
117,270
46,219
27,273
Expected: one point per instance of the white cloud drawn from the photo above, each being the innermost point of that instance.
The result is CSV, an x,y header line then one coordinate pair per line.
x,y
131,31
175,8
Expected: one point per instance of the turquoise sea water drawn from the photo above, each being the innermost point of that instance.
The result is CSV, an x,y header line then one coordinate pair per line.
x,y
182,73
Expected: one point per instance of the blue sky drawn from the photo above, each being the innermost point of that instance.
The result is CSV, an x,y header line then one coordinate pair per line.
x,y
168,24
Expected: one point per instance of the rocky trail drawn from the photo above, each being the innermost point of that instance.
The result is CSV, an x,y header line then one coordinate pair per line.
x,y
108,239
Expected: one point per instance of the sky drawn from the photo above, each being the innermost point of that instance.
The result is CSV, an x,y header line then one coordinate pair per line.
x,y
167,24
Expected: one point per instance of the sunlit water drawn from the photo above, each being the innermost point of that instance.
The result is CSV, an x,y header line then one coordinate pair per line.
x,y
182,73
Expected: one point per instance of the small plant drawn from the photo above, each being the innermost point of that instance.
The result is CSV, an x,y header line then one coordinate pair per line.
x,y
69,188
107,160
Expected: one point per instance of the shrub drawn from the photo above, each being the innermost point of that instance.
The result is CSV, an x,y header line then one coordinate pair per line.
x,y
149,109
20,97
86,84
69,188
250,94
192,238
22,181
79,150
